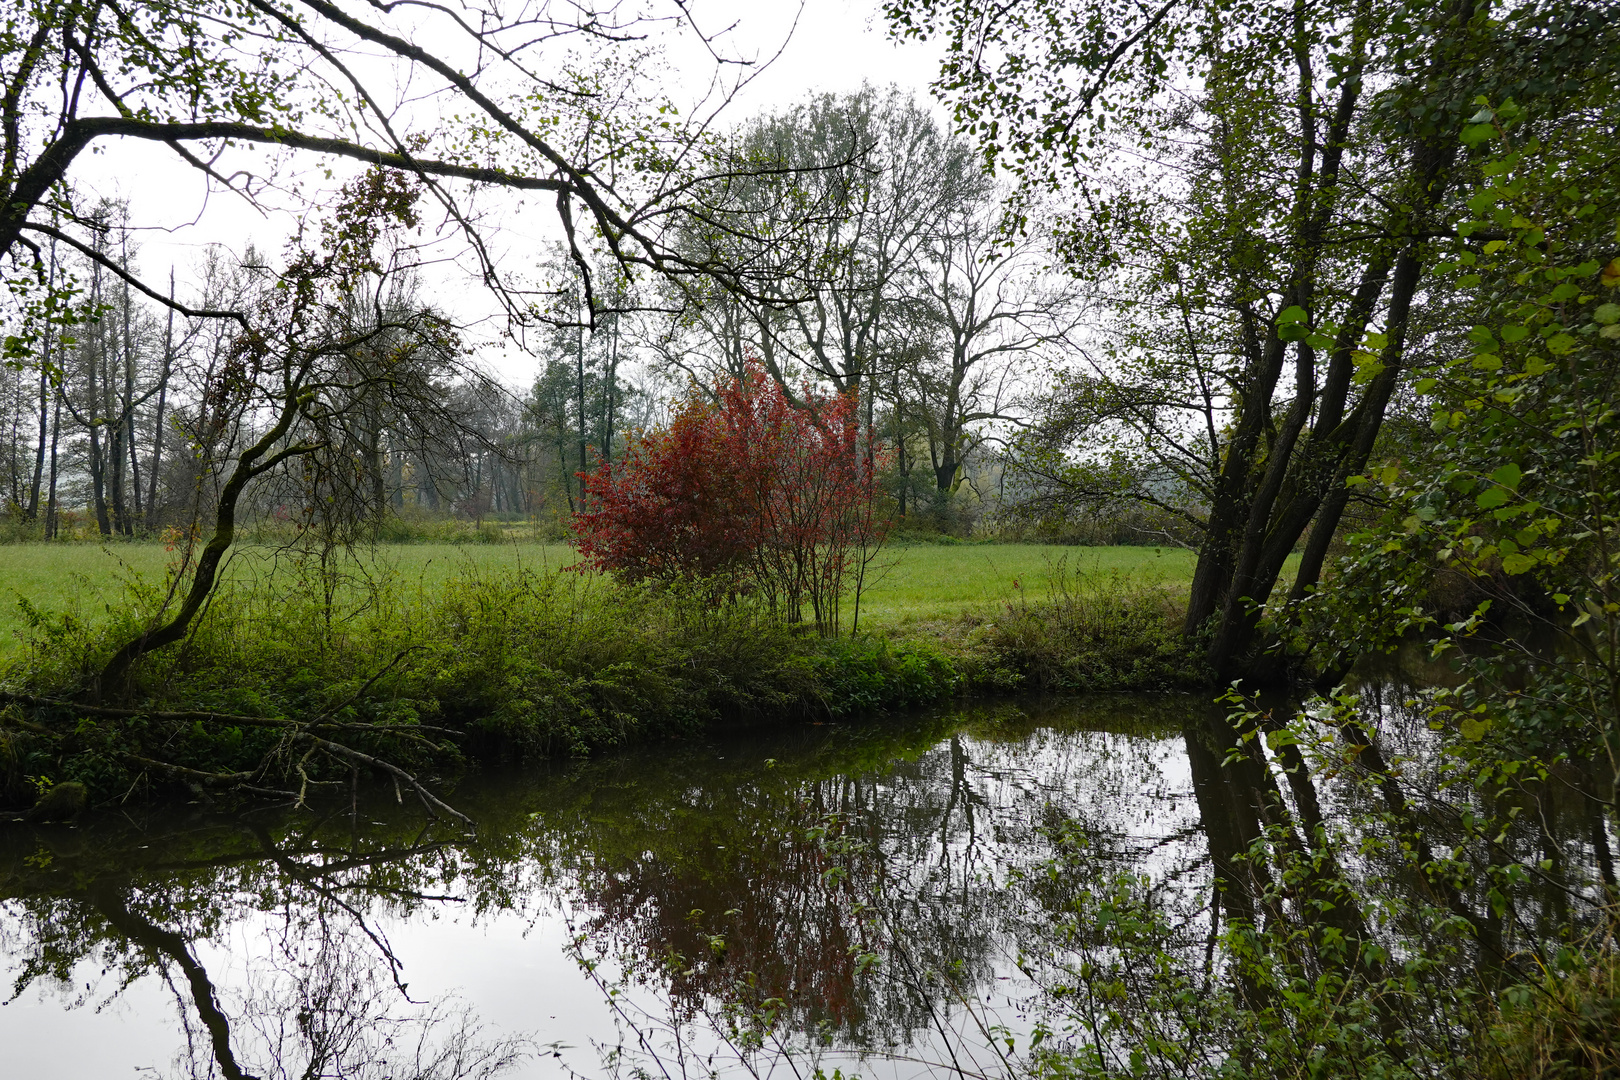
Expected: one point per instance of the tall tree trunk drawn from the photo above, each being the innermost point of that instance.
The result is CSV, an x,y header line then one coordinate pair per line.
x,y
379,482
46,342
115,462
56,433
157,420
139,520
396,480
579,356
15,477
126,413
1273,484
32,511
611,393
899,439
98,472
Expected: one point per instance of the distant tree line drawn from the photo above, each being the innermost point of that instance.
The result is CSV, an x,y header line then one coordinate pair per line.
x,y
118,427
927,306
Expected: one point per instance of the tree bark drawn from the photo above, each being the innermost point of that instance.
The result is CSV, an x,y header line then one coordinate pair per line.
x,y
1264,505
56,433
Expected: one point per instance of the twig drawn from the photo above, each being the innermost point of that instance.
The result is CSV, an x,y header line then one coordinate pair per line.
x,y
237,718
432,802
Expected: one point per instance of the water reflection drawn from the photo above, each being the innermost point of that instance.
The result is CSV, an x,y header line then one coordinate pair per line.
x,y
815,895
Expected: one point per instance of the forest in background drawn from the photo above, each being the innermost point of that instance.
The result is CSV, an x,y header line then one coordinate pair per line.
x,y
940,326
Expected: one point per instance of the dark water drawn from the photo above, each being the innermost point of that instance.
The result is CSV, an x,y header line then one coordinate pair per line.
x,y
853,897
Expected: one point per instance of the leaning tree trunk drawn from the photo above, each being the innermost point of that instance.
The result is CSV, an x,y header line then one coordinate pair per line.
x,y
255,460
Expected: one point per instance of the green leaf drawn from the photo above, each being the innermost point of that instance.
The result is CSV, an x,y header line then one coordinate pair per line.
x,y
1606,314
1491,498
1508,476
1517,563
1276,740
1473,729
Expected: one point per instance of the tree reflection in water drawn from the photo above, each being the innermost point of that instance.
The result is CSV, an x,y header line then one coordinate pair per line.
x,y
320,993
951,889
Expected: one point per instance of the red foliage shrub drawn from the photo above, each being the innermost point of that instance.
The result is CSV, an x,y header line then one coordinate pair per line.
x,y
748,491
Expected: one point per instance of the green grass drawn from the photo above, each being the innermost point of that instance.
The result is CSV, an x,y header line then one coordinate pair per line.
x,y
83,579
912,583
938,581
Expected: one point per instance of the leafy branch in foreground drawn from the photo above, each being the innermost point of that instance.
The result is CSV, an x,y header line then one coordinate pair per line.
x,y
1270,273
1501,541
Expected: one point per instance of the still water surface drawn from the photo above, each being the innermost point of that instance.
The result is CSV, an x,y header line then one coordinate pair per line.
x,y
846,896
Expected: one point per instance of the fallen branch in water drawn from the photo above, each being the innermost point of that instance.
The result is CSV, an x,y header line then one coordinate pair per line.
x,y
209,715
248,781
429,800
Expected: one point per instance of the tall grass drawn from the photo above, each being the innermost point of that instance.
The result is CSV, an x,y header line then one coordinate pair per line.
x,y
483,659
489,663
1563,1025
1098,631
916,584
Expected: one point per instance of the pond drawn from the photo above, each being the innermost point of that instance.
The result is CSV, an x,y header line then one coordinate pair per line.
x,y
874,898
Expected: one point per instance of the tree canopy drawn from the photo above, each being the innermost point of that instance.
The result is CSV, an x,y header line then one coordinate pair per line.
x,y
551,98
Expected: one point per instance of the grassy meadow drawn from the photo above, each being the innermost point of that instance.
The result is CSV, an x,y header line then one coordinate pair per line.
x,y
909,583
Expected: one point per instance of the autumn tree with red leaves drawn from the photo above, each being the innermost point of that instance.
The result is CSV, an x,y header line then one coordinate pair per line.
x,y
747,491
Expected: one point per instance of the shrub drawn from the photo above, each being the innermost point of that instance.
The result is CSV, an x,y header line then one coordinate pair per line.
x,y
503,665
1566,1024
747,491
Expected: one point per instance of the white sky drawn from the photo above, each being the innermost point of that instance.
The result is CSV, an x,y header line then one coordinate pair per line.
x,y
835,46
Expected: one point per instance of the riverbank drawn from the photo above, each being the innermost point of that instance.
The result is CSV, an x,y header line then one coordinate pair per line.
x,y
301,678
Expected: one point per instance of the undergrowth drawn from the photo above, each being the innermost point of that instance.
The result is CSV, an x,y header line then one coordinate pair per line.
x,y
506,664
1093,632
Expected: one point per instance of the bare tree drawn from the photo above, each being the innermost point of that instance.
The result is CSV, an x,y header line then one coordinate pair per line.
x,y
998,308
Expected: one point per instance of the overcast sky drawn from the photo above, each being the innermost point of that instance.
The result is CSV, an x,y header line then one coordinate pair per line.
x,y
834,46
